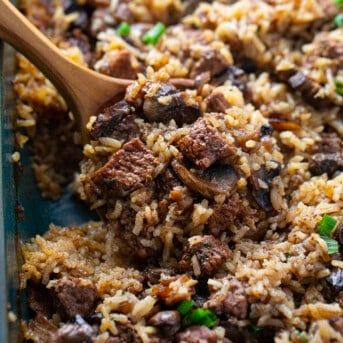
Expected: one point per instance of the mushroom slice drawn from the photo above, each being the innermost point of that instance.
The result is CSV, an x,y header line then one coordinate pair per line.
x,y
217,179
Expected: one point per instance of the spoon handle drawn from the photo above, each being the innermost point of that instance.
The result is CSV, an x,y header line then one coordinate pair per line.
x,y
26,38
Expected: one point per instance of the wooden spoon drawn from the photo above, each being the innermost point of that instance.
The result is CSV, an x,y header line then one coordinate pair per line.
x,y
84,90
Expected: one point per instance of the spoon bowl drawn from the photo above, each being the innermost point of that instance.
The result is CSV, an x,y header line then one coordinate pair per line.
x,y
84,90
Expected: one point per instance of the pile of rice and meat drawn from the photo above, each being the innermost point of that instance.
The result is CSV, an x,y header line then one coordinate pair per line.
x,y
217,176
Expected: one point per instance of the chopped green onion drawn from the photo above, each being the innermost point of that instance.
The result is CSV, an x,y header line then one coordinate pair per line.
x,y
123,29
185,306
154,34
331,244
201,316
339,2
339,87
254,328
326,225
338,20
302,336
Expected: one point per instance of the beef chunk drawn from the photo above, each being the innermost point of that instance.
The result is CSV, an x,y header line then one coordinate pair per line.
x,y
163,102
40,299
196,334
203,145
42,329
168,322
233,302
337,324
120,64
126,334
212,61
128,169
116,121
209,252
327,46
80,332
327,155
73,297
224,215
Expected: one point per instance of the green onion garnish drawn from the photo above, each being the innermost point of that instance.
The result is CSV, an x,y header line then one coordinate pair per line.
x,y
326,225
338,20
302,336
339,87
154,34
201,316
331,244
123,29
185,306
339,2
254,328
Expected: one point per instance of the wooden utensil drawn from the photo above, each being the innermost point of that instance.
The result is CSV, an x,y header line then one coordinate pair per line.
x,y
84,90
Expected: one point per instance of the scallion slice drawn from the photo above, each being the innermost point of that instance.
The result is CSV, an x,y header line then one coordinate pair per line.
x,y
331,244
123,29
201,316
339,87
326,225
338,20
185,306
154,34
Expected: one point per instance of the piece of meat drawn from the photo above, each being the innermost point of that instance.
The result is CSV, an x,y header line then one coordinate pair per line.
x,y
203,146
126,334
116,121
80,40
212,61
327,155
197,334
168,322
129,168
74,297
163,102
120,64
40,299
232,302
80,332
209,253
337,324
40,329
326,46
224,215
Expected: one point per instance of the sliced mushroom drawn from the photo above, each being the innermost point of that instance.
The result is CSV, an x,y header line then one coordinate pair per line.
x,y
217,179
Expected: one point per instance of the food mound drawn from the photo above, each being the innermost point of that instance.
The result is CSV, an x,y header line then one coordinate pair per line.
x,y
217,176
